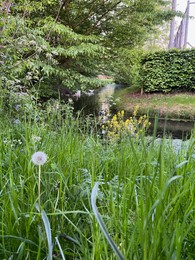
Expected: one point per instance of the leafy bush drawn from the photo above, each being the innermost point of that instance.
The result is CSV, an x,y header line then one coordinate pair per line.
x,y
168,71
127,66
30,56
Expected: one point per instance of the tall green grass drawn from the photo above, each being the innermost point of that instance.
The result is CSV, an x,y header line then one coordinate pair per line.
x,y
146,196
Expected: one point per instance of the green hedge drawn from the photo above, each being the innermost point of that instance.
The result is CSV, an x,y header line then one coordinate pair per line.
x,y
167,71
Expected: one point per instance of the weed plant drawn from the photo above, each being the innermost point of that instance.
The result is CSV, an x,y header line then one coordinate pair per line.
x,y
145,196
115,128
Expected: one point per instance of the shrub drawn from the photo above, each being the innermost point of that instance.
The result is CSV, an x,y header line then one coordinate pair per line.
x,y
127,66
168,71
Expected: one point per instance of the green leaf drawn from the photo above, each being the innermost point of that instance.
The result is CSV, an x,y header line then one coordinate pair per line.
x,y
101,223
48,232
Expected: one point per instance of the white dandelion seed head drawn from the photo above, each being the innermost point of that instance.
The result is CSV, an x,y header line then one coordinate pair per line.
x,y
39,158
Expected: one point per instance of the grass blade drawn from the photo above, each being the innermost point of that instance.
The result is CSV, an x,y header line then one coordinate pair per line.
x,y
181,164
101,223
48,232
61,251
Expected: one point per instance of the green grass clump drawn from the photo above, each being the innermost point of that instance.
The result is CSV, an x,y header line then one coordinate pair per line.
x,y
146,196
174,105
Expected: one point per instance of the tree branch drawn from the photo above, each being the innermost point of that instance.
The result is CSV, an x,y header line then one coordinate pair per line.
x,y
103,15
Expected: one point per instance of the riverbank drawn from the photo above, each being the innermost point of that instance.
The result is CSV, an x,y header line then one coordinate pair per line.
x,y
177,106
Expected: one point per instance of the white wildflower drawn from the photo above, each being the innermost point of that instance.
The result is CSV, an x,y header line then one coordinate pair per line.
x,y
70,101
17,107
16,122
36,138
39,158
5,141
103,132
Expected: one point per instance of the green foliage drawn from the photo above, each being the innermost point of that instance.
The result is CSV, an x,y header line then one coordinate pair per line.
x,y
56,44
35,60
146,200
168,71
126,66
101,223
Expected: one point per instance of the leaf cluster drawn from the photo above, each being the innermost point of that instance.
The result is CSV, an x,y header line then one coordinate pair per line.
x,y
55,44
168,71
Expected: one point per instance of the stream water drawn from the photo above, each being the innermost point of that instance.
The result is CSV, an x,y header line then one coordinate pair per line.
x,y
94,104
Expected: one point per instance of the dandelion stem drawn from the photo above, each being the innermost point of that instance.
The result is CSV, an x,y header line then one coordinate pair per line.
x,y
39,187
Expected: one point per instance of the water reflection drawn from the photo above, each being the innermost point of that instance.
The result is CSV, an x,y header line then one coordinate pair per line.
x,y
99,102
104,96
94,102
172,128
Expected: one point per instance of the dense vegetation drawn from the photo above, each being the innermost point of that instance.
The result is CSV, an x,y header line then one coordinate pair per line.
x,y
49,200
145,197
168,71
52,45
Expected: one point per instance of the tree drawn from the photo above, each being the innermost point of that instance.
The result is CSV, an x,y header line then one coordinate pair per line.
x,y
52,44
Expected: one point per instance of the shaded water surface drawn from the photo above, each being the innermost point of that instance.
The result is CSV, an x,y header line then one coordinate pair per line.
x,y
93,104
172,128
